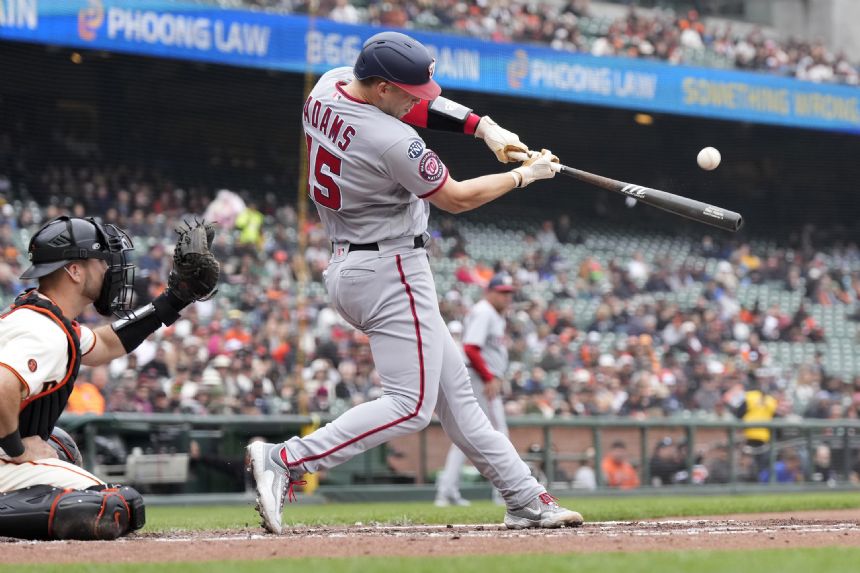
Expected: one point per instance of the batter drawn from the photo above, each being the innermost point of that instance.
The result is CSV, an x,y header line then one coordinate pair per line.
x,y
371,177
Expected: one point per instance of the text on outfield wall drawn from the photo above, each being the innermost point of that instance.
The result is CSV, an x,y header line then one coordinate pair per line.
x,y
19,14
188,32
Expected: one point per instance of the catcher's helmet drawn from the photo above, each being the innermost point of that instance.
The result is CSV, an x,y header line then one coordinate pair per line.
x,y
401,60
66,239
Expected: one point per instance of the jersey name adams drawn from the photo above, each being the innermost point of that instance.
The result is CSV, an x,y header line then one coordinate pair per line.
x,y
329,123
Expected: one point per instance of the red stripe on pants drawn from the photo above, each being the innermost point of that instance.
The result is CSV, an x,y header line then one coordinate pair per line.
x,y
420,391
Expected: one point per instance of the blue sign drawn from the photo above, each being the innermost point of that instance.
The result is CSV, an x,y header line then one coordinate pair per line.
x,y
299,44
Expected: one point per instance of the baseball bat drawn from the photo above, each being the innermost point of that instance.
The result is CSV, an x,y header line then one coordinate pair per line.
x,y
676,204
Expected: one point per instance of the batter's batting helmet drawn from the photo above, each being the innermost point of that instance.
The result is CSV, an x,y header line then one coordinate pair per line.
x,y
66,239
401,60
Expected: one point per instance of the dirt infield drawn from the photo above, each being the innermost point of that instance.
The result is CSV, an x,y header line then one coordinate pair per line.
x,y
800,529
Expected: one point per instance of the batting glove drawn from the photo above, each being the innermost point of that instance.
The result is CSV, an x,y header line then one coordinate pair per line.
x,y
500,141
537,166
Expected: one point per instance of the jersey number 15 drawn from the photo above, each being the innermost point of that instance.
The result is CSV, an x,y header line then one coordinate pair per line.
x,y
325,190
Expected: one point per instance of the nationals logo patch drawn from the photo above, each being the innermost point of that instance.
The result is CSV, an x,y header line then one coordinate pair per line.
x,y
32,365
431,168
416,148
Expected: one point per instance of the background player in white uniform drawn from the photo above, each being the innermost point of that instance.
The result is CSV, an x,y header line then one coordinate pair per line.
x,y
487,358
44,494
369,174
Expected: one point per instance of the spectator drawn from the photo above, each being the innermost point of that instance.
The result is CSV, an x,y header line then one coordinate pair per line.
x,y
585,478
163,404
569,325
717,463
788,469
854,477
748,471
754,405
224,209
546,237
88,395
665,463
250,224
617,470
708,395
676,37
344,13
637,269
535,383
822,466
158,365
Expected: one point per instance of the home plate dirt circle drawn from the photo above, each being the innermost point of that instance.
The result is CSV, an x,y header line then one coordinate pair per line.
x,y
799,529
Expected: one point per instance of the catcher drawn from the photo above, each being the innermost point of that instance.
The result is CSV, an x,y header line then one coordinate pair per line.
x,y
44,491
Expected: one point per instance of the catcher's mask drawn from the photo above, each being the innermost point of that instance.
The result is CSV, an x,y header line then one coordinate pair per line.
x,y
66,239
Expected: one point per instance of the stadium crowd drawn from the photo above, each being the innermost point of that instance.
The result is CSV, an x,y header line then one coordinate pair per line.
x,y
239,352
675,37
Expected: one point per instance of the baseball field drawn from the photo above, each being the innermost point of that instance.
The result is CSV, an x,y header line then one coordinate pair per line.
x,y
773,532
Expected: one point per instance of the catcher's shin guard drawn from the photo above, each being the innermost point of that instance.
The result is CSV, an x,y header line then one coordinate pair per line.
x,y
47,512
136,507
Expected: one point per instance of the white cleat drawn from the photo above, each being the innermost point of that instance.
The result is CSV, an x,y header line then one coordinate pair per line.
x,y
543,512
272,484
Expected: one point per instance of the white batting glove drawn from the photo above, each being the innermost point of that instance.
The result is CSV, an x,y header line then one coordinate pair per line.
x,y
537,166
500,141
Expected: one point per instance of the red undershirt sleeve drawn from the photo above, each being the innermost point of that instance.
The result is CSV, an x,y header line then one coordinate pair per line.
x,y
473,352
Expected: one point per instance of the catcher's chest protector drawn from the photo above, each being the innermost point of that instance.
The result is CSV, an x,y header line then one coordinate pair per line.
x,y
39,413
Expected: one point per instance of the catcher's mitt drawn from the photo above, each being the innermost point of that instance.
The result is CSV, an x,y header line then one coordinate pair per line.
x,y
195,271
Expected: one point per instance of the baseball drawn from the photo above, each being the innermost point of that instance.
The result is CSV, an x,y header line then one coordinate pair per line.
x,y
709,159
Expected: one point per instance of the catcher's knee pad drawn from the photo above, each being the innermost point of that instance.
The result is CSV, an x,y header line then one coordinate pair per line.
x,y
137,518
134,501
66,448
88,515
47,512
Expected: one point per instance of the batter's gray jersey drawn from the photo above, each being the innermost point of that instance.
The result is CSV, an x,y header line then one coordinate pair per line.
x,y
485,327
368,171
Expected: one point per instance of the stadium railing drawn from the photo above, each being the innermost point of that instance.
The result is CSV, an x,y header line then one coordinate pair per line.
x,y
158,448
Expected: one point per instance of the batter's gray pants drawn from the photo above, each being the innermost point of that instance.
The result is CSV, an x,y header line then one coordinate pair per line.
x,y
448,484
390,295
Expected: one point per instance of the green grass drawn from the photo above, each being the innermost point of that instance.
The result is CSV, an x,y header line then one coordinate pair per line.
x,y
829,560
826,560
592,508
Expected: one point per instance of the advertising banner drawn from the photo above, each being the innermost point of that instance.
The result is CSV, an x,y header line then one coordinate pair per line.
x,y
295,43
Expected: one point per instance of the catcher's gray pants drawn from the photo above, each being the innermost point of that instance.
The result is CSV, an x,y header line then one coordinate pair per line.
x,y
448,484
390,295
